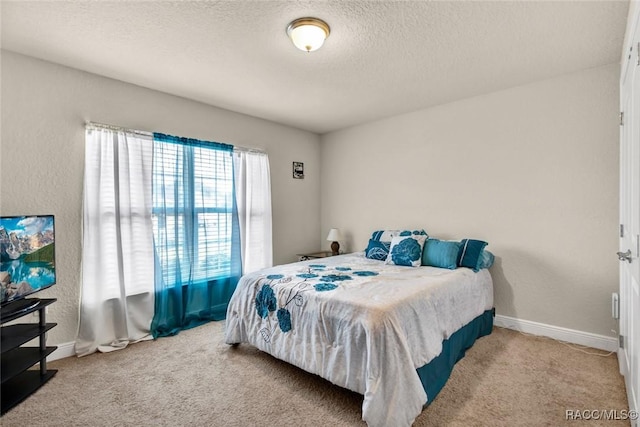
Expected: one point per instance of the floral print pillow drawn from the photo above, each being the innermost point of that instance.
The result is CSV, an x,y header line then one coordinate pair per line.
x,y
388,235
406,250
377,250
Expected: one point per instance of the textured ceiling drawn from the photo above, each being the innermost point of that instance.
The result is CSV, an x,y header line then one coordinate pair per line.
x,y
382,58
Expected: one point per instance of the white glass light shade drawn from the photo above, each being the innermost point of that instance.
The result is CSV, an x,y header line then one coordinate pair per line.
x,y
334,235
308,34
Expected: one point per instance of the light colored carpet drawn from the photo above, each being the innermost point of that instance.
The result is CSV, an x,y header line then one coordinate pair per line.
x,y
194,379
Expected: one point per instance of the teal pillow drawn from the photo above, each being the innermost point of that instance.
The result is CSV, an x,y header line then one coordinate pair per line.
x,y
441,253
486,259
377,250
383,235
470,253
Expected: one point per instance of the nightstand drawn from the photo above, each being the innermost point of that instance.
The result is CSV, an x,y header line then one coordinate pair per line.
x,y
313,255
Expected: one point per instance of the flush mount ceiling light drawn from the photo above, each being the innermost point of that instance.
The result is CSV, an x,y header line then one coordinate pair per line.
x,y
308,34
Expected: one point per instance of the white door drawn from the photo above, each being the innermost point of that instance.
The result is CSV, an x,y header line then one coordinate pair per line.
x,y
629,248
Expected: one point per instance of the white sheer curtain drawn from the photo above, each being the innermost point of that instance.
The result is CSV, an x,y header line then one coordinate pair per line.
x,y
117,253
253,197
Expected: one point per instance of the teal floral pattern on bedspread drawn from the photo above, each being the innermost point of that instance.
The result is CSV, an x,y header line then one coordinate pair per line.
x,y
265,301
279,294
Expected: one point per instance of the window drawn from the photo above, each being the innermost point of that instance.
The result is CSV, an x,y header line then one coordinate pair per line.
x,y
192,211
161,235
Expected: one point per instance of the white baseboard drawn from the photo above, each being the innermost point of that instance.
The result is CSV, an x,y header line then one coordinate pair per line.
x,y
63,350
573,336
600,342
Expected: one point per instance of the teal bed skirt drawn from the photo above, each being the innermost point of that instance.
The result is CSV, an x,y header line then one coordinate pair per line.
x,y
435,374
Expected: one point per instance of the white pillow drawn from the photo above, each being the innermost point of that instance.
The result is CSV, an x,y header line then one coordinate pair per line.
x,y
406,250
387,235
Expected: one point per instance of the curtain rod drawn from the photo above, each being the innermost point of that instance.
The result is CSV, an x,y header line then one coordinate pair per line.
x,y
96,125
249,150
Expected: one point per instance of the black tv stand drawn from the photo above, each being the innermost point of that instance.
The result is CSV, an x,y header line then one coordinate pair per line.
x,y
16,307
18,381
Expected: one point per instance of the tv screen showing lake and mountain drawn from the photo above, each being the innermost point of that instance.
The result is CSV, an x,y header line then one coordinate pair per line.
x,y
27,255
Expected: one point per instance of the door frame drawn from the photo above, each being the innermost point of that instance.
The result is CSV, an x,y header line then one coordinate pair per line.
x,y
629,352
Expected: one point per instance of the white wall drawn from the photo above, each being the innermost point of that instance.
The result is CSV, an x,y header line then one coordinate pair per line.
x,y
533,170
44,107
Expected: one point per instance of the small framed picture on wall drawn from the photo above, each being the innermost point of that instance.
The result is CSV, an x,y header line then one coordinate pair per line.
x,y
298,170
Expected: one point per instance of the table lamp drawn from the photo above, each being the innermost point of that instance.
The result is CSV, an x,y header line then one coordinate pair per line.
x,y
333,237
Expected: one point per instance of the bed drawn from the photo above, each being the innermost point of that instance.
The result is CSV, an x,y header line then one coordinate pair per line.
x,y
391,333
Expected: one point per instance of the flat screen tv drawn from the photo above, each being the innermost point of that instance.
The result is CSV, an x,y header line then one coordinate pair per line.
x,y
27,256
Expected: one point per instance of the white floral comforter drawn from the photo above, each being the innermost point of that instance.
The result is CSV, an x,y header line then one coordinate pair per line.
x,y
359,323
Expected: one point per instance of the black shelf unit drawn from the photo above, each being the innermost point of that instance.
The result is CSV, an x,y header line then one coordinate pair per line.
x,y
18,380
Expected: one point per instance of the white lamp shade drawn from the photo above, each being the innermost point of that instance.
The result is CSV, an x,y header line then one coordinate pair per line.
x,y
308,34
334,235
